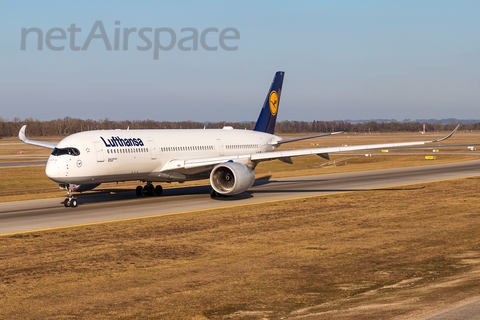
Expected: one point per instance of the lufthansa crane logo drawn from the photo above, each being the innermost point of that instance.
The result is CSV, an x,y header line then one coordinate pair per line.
x,y
273,102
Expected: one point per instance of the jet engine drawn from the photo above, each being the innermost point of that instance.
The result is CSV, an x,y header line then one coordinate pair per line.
x,y
230,178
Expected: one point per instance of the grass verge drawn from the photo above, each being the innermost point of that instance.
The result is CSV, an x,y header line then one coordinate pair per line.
x,y
275,260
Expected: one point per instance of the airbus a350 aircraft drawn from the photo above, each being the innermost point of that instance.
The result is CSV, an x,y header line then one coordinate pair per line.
x,y
227,156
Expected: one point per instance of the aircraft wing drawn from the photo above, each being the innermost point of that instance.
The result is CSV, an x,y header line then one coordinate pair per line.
x,y
179,165
21,136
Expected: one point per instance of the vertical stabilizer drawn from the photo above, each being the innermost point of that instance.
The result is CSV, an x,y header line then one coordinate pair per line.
x,y
268,116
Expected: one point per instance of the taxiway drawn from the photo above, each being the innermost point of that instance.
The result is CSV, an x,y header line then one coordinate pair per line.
x,y
34,215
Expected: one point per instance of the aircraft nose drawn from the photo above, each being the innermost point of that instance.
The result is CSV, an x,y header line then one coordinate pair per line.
x,y
52,169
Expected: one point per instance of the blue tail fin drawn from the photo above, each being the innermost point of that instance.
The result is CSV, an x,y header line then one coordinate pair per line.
x,y
268,116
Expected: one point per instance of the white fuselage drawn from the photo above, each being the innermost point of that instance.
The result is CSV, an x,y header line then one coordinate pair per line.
x,y
123,155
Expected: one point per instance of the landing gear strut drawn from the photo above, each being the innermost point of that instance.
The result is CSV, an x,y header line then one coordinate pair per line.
x,y
149,190
70,201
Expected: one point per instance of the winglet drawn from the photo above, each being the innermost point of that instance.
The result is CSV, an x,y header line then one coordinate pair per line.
x,y
21,133
451,134
268,116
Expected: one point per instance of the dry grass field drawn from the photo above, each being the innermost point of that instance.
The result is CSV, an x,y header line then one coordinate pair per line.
x,y
378,254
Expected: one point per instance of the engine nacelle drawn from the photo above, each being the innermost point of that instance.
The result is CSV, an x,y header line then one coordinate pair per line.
x,y
231,178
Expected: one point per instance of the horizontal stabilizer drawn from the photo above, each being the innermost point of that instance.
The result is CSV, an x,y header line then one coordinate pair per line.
x,y
305,138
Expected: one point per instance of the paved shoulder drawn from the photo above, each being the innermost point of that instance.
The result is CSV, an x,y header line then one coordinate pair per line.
x,y
469,311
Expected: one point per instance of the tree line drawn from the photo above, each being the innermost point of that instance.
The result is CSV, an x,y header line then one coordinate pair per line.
x,y
67,126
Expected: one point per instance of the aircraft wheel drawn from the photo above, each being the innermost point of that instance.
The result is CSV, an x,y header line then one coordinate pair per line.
x,y
213,193
149,190
158,190
66,203
138,191
73,203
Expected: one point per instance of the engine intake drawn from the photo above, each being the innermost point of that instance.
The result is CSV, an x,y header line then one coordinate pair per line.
x,y
231,178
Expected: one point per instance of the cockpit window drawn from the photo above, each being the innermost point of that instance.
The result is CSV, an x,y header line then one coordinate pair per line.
x,y
62,151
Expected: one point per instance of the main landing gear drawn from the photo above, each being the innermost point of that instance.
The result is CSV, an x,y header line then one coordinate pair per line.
x,y
149,190
70,201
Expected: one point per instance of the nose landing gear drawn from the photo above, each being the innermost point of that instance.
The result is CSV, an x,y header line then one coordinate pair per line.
x,y
70,201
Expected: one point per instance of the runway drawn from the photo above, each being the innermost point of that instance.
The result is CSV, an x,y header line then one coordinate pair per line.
x,y
103,207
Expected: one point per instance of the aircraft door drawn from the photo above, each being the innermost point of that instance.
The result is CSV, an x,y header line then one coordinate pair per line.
x,y
221,151
153,149
99,151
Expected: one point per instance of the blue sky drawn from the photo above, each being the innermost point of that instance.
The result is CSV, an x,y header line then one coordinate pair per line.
x,y
343,60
